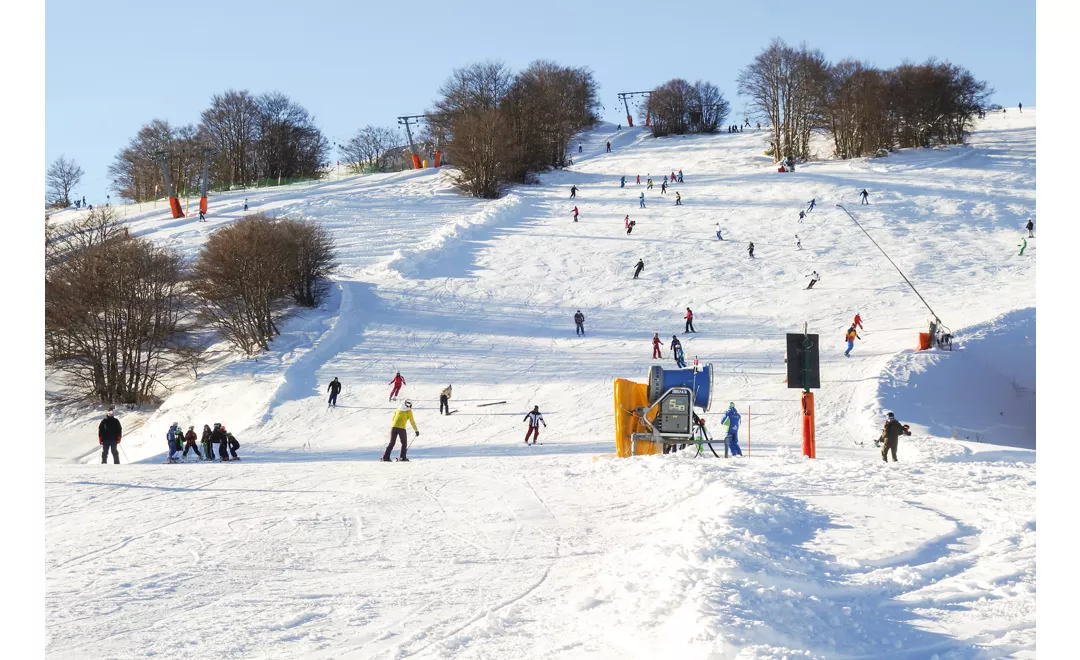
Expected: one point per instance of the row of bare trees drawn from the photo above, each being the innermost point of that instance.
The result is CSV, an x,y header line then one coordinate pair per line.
x,y
498,127
371,149
250,138
863,108
124,316
678,107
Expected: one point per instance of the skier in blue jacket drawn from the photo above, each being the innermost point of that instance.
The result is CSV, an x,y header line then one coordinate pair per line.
x,y
731,418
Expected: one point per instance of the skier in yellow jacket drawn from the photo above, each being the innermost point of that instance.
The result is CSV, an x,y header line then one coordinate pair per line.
x,y
402,416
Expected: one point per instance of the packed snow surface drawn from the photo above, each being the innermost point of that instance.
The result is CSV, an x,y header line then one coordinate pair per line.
x,y
481,547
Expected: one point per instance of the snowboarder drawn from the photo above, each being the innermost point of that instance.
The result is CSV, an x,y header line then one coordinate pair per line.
x,y
678,199
813,203
1022,246
890,436
641,201
802,214
731,420
219,438
334,388
109,431
397,381
207,445
663,187
798,242
609,147
656,344
689,321
864,195
751,249
579,320
233,444
639,267
814,277
680,176
1030,226
573,192
850,336
245,203
202,216
677,353
535,419
191,441
622,182
575,214
402,416
718,235
444,400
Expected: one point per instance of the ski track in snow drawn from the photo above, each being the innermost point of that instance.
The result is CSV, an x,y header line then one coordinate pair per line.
x,y
482,547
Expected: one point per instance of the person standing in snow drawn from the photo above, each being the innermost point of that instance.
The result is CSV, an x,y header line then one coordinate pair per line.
x,y
609,147
207,444
864,195
175,443
680,176
232,443
402,416
397,381
648,185
677,353
444,400
575,214
639,179
850,336
535,419
219,438
813,203
1021,107
890,435
202,216
641,201
857,322
579,148
656,344
579,321
663,187
333,388
639,267
245,203
191,441
1022,246
109,432
798,242
814,277
731,419
678,199
719,237
1030,226
622,182
629,224
689,321
751,249
573,192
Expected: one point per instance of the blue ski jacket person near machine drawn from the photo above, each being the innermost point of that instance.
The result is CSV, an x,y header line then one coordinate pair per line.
x,y
731,420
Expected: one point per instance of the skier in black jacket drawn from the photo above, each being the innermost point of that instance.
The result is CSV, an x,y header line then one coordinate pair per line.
x,y
333,389
218,437
640,267
579,319
207,443
109,432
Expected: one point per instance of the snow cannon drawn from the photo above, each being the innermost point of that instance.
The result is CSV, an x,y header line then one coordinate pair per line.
x,y
699,382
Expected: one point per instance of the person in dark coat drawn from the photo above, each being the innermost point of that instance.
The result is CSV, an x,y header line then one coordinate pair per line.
x,y
640,267
334,388
219,437
109,432
579,320
1031,228
208,445
232,443
890,436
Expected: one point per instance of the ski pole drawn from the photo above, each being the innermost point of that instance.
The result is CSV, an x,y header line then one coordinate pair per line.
x,y
124,453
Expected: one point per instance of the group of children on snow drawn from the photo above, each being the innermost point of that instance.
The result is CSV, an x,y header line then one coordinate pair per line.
x,y
180,441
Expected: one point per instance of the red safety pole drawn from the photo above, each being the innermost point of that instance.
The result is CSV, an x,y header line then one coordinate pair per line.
x,y
808,441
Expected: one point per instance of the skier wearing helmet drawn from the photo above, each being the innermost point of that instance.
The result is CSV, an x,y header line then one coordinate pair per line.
x,y
731,419
402,416
397,381
218,437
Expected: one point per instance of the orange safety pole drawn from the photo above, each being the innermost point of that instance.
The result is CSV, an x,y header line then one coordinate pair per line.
x,y
748,431
808,441
629,121
438,159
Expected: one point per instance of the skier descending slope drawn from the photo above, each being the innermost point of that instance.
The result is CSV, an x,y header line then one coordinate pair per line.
x,y
639,267
397,381
850,336
857,321
813,203
575,214
573,192
719,237
751,249
864,195
333,388
814,277
535,419
731,420
402,416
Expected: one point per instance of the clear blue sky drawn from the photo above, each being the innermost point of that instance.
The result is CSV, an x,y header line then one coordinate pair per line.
x,y
112,66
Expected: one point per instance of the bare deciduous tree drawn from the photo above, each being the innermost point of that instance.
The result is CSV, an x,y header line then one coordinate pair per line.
x,y
369,149
61,178
678,107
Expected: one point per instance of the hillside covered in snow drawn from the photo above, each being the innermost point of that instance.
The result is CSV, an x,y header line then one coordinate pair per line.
x,y
481,547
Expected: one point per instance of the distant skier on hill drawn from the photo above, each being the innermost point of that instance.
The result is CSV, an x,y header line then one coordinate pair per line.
x,y
109,432
648,185
579,148
663,187
719,237
813,203
579,321
689,321
864,195
656,344
202,216
798,242
678,198
245,203
402,416
622,182
575,214
535,419
857,322
629,224
573,192
680,176
802,214
609,147
751,249
677,352
1021,107
444,400
333,388
639,267
1030,226
639,179
1022,246
664,183
814,277
397,381
641,201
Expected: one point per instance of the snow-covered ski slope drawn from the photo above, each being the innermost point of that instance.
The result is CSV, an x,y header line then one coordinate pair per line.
x,y
484,548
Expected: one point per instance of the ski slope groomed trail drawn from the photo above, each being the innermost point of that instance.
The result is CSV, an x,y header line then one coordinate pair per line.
x,y
481,547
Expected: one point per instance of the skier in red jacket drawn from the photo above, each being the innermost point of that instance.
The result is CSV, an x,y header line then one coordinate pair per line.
x,y
689,321
397,382
656,344
858,321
